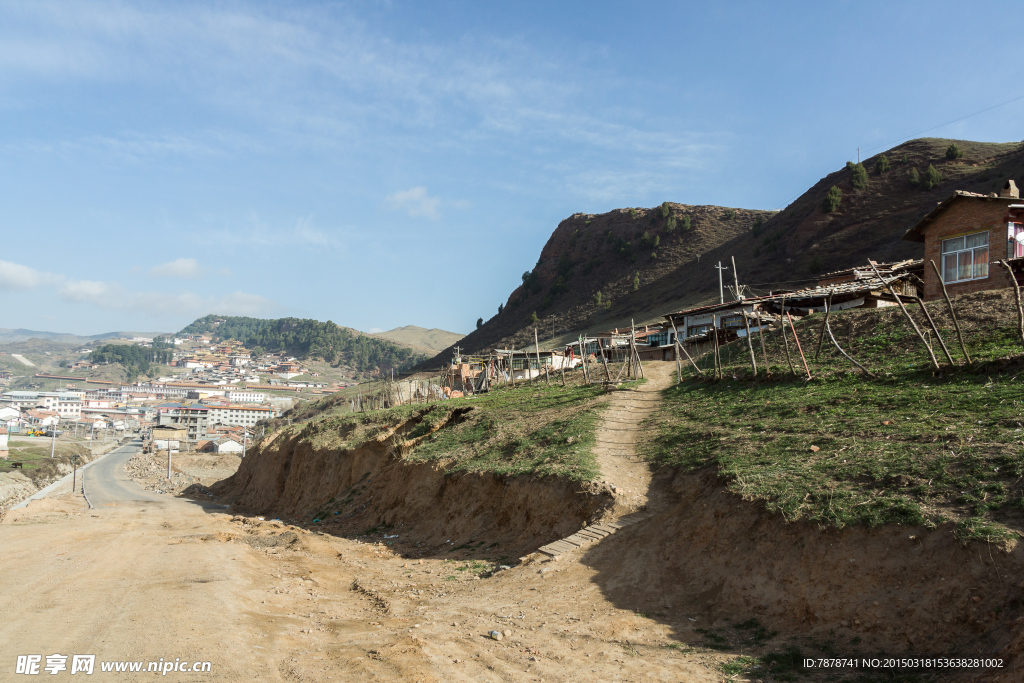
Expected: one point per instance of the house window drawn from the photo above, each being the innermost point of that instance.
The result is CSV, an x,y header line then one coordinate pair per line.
x,y
694,330
732,322
965,258
1015,240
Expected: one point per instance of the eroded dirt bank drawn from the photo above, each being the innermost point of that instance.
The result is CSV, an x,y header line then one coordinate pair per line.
x,y
886,590
371,485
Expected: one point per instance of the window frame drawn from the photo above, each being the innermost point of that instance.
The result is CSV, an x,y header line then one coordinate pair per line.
x,y
965,250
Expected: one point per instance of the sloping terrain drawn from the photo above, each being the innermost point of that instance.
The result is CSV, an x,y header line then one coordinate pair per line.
x,y
420,339
309,339
17,335
786,250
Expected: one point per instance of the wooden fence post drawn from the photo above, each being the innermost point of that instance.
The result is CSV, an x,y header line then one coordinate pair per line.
x,y
1016,291
906,313
746,323
952,313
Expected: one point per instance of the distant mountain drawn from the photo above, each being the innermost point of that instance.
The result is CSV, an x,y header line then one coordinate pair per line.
x,y
8,335
421,339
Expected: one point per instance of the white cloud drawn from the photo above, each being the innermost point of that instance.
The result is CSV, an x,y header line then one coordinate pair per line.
x,y
16,276
112,296
102,294
182,267
415,202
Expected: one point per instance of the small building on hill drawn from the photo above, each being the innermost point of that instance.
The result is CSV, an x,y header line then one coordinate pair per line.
x,y
965,235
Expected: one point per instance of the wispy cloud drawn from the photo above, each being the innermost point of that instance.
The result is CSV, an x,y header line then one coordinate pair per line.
x,y
187,268
114,296
415,201
14,276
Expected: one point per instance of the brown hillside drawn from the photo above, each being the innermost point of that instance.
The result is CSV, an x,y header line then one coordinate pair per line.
x,y
786,250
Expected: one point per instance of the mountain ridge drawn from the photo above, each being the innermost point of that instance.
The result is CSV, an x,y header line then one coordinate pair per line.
x,y
675,268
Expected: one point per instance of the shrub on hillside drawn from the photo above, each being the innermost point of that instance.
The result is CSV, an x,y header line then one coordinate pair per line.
x,y
533,318
832,200
730,214
904,160
597,298
650,241
953,152
479,323
931,178
757,229
685,223
671,224
636,280
624,249
858,175
882,165
665,210
501,308
914,178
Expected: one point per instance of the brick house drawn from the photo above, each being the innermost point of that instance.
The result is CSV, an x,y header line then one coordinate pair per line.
x,y
964,235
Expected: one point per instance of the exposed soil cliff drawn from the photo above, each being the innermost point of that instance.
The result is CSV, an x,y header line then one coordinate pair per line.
x,y
371,485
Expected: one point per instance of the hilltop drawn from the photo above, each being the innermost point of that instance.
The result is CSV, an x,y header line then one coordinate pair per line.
x,y
310,340
420,339
670,251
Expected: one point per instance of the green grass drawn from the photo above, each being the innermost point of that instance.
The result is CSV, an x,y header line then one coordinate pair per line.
x,y
912,447
530,429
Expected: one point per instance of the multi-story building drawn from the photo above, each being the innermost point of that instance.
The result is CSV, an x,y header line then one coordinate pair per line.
x,y
193,418
246,397
66,405
241,415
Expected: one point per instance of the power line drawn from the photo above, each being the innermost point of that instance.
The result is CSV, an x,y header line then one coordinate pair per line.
x,y
961,118
903,138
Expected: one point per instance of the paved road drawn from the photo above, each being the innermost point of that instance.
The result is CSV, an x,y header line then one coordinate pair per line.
x,y
106,482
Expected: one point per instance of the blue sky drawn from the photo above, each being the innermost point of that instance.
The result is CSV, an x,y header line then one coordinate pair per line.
x,y
388,163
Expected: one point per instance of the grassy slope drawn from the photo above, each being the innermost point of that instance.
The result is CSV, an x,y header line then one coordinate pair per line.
x,y
912,447
532,429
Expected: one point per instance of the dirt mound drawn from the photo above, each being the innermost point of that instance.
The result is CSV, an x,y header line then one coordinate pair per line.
x,y
354,489
892,589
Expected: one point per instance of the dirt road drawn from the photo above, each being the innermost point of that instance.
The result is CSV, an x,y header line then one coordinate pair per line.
x,y
145,576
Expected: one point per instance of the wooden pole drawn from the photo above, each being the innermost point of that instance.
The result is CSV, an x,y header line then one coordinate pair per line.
x,y
1016,291
828,328
746,323
675,349
604,361
824,324
562,367
718,357
785,339
760,335
952,313
536,350
906,313
796,337
935,329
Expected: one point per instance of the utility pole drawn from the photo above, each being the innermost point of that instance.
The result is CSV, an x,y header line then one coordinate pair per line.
x,y
721,285
53,439
858,155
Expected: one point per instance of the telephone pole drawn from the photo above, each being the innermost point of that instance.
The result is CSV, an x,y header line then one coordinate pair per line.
x,y
721,286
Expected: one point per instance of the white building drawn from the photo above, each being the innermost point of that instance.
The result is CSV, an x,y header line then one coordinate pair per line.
x,y
240,415
65,404
246,397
